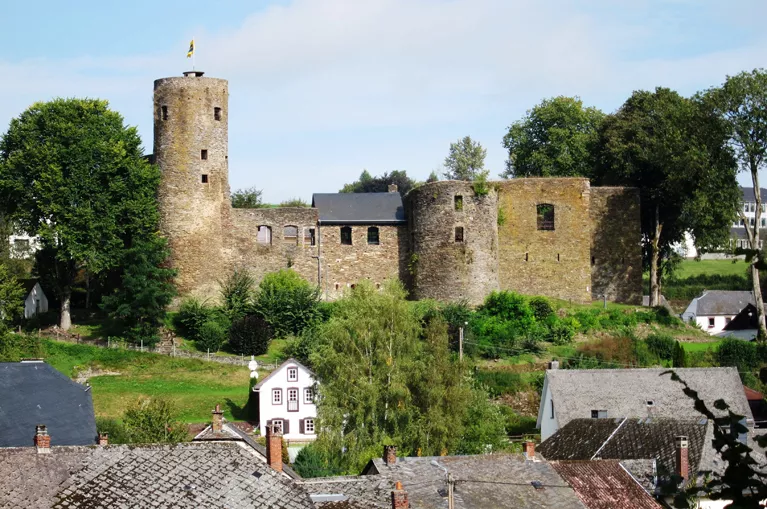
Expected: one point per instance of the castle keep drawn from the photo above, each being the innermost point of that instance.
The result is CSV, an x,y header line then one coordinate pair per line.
x,y
557,237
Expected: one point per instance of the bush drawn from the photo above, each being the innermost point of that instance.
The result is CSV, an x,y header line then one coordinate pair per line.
x,y
518,424
500,382
153,421
212,337
311,461
542,308
250,335
191,316
288,302
115,429
508,306
563,331
237,294
680,356
738,353
661,345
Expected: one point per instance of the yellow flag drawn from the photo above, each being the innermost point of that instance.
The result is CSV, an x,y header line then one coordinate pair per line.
x,y
191,49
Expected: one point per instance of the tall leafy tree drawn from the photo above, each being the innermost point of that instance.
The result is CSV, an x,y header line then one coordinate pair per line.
x,y
249,198
11,296
380,184
466,160
742,103
73,173
554,139
675,151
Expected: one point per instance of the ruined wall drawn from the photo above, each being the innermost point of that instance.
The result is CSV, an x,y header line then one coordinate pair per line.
x,y
554,263
194,190
440,267
616,256
345,265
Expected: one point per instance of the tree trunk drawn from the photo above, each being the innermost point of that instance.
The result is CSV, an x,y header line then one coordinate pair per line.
x,y
754,239
65,321
654,256
87,289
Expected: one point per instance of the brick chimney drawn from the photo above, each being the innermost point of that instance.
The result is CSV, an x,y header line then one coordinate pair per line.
x,y
42,439
103,439
530,450
399,497
393,188
682,459
274,448
389,455
218,419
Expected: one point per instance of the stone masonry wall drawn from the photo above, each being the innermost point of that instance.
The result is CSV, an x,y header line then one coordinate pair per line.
x,y
538,262
616,256
345,265
442,268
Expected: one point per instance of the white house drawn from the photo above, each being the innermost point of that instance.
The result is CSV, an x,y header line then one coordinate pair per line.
x,y
23,245
714,309
35,301
286,400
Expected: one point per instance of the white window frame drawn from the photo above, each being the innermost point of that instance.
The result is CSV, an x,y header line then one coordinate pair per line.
x,y
293,369
307,421
308,396
711,322
293,395
281,425
278,399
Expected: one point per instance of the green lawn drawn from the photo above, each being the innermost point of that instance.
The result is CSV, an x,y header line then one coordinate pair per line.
x,y
700,347
688,268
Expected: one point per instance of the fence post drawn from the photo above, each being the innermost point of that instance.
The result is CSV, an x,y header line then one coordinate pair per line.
x,y
142,345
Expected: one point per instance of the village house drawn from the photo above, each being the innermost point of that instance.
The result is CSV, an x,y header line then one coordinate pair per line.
x,y
35,301
715,309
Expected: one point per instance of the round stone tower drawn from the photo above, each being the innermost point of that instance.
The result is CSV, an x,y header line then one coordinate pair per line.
x,y
191,149
454,241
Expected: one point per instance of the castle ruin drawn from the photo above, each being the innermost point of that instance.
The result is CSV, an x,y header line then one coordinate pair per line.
x,y
557,237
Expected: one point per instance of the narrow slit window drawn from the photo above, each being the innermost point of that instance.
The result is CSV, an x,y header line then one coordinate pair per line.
x,y
458,202
346,235
459,233
217,113
290,235
165,113
309,238
593,261
373,235
204,154
527,257
204,178
545,216
264,235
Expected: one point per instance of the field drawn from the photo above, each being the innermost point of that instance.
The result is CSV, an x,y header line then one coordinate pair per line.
x,y
689,268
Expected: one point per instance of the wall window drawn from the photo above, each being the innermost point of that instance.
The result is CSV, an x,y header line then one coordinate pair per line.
x,y
292,374
545,216
711,323
264,235
599,414
276,396
204,178
165,113
217,113
346,235
373,235
552,408
309,426
279,425
309,238
727,320
292,400
458,202
204,154
459,233
290,234
309,395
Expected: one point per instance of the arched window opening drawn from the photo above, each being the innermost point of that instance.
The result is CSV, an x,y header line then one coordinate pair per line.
x,y
373,235
346,235
264,235
290,234
545,216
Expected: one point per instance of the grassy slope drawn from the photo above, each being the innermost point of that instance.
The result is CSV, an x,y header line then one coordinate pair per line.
x,y
690,268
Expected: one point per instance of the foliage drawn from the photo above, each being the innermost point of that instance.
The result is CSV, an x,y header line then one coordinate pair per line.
x,y
554,139
465,161
11,296
679,360
191,316
249,198
517,424
380,184
14,347
563,330
114,428
73,173
288,302
146,290
153,421
211,337
675,151
433,177
498,382
661,345
612,351
237,294
312,461
741,354
542,308
486,428
295,202
250,335
480,184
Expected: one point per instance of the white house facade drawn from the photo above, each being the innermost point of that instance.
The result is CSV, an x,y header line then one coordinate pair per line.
x,y
286,399
714,309
23,246
35,301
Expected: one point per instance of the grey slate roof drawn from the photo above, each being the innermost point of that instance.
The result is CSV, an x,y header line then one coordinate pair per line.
x,y
35,393
481,482
364,491
193,475
359,208
719,302
748,193
626,392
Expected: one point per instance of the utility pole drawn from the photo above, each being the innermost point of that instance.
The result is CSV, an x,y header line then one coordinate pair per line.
x,y
450,499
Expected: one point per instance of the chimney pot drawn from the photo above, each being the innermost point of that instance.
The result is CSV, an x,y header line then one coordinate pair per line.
x,y
399,497
682,457
554,365
393,188
218,419
274,448
390,455
530,450
42,439
103,439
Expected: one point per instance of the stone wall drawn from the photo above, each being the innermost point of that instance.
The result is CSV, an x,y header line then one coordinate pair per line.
x,y
345,265
616,255
554,263
441,267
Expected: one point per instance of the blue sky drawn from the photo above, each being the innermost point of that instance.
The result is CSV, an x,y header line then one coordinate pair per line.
x,y
322,89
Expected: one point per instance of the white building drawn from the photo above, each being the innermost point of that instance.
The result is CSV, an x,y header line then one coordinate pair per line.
x,y
716,308
23,245
286,400
35,301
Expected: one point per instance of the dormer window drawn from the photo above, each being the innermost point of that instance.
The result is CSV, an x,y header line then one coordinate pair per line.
x,y
599,414
292,374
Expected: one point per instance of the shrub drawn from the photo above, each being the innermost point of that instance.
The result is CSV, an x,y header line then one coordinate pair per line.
x,y
288,302
680,356
507,306
738,353
212,336
563,331
312,461
613,349
517,424
542,308
152,421
115,429
661,345
250,335
500,382
237,294
191,316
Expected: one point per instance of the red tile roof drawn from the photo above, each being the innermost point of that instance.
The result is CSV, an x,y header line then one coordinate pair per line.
x,y
753,395
604,484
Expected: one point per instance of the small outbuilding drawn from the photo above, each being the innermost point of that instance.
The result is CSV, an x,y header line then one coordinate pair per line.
x,y
35,301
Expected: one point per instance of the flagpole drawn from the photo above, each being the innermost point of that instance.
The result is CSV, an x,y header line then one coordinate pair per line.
x,y
194,50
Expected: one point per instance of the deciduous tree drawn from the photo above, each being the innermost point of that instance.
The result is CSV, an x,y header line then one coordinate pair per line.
x,y
11,296
249,198
466,160
369,184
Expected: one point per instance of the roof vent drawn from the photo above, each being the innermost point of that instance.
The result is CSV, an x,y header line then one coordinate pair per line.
x,y
538,485
650,402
